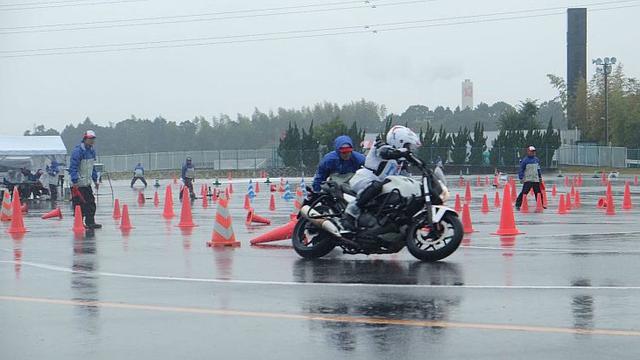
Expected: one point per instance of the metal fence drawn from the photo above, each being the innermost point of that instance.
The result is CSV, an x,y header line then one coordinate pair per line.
x,y
589,155
210,159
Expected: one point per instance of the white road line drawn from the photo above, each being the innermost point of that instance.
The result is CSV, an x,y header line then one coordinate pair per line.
x,y
316,284
552,250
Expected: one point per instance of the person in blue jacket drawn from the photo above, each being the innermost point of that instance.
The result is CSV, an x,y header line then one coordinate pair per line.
x,y
340,164
53,171
138,174
530,175
83,174
188,176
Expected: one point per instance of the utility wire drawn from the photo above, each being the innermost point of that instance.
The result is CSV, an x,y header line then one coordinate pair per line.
x,y
62,5
366,29
109,24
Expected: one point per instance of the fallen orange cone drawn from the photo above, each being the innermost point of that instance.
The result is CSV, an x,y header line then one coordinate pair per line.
x,y
284,232
53,213
253,218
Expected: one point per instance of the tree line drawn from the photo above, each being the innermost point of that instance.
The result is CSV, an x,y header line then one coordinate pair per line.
x,y
589,103
263,130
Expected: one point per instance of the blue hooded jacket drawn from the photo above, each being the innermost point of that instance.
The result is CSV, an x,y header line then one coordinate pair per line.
x,y
53,169
139,166
529,160
79,153
332,163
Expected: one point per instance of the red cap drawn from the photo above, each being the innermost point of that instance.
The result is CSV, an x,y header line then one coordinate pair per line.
x,y
345,149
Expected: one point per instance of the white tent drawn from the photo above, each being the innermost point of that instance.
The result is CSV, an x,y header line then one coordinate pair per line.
x,y
32,152
31,145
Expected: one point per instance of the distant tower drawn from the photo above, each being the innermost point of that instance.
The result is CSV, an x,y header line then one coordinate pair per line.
x,y
576,63
467,95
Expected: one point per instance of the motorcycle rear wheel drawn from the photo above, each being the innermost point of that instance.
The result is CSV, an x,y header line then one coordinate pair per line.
x,y
426,248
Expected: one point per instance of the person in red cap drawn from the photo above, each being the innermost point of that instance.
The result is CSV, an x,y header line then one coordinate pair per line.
x,y
530,175
83,174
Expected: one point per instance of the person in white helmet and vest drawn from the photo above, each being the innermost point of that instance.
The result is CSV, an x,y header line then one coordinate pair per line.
x,y
83,174
383,160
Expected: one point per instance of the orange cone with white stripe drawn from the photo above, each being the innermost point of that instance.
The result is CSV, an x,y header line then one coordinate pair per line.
x,y
223,234
5,214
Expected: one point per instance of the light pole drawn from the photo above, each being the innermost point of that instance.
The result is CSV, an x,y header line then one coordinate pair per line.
x,y
606,64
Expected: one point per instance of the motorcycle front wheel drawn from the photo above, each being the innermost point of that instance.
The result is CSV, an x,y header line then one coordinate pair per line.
x,y
309,241
428,244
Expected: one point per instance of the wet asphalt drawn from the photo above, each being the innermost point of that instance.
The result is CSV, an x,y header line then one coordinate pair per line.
x,y
567,288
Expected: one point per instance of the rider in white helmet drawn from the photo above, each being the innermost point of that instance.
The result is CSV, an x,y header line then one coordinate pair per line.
x,y
384,159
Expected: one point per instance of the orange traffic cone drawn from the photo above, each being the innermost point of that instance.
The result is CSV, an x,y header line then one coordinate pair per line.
x,y
252,217
167,212
156,199
507,219
17,224
467,193
5,213
496,182
78,226
562,207
466,219
567,201
116,209
272,203
566,181
205,201
53,213
626,202
223,229
257,189
186,218
573,191
247,202
284,232
141,198
543,192
524,208
554,190
603,179
539,207
577,202
125,223
514,195
458,205
602,203
496,200
611,206
485,204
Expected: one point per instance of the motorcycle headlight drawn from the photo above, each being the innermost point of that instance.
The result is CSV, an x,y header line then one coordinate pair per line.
x,y
444,196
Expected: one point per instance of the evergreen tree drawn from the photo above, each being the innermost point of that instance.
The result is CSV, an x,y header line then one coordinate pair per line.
x,y
478,145
459,145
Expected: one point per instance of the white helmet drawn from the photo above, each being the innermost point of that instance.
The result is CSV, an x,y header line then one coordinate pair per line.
x,y
399,136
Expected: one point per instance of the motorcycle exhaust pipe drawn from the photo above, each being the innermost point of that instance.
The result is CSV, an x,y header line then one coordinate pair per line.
x,y
307,212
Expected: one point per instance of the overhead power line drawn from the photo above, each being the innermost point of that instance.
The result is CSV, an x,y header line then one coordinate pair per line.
x,y
207,17
63,4
293,34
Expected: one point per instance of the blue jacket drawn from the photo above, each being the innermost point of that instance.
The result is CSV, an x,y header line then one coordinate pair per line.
x,y
184,169
139,166
79,153
53,169
534,163
332,163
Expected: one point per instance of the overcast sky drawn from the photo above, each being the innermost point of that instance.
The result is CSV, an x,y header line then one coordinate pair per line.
x,y
506,60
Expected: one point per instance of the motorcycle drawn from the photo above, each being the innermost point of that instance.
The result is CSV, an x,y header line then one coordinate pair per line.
x,y
406,213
